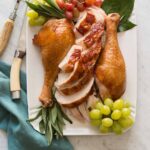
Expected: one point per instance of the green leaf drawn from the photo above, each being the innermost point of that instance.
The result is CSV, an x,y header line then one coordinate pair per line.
x,y
63,114
44,115
57,129
53,4
50,133
124,8
126,26
55,8
51,11
53,113
38,9
36,117
60,126
60,117
46,11
53,119
41,126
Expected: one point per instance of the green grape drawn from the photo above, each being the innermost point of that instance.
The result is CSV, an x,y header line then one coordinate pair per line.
x,y
107,122
105,110
126,112
104,129
96,122
116,114
127,104
95,114
108,102
37,22
32,14
118,104
99,105
126,122
116,128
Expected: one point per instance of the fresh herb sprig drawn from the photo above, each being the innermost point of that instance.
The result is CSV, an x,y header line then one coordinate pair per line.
x,y
48,11
52,121
124,8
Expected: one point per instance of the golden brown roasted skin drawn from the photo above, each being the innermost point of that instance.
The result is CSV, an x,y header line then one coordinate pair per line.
x,y
110,70
54,39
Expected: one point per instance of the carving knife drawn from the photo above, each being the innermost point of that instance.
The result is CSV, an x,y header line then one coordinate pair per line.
x,y
15,87
7,29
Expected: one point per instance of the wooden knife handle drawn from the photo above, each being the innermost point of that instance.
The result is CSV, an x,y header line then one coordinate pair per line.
x,y
15,74
5,34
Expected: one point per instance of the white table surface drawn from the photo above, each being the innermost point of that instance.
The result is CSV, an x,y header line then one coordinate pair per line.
x,y
138,137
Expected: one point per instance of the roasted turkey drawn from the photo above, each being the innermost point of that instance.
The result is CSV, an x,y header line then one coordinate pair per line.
x,y
76,78
54,39
110,71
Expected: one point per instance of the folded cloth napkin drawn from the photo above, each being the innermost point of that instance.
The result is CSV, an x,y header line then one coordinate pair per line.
x,y
13,116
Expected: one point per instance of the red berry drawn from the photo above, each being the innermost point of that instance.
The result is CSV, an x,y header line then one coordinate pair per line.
x,y
69,6
98,3
80,6
69,15
61,4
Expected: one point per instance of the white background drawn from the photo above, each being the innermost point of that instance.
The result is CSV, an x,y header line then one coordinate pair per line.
x,y
137,138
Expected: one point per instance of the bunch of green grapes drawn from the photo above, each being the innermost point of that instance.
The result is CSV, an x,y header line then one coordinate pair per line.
x,y
34,18
112,116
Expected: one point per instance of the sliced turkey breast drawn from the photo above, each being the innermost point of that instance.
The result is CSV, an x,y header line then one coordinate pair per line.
x,y
84,111
76,114
99,14
91,102
84,24
65,79
81,112
64,64
77,86
87,19
76,98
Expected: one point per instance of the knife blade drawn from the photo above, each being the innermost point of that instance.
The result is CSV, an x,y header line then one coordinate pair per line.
x,y
8,27
15,87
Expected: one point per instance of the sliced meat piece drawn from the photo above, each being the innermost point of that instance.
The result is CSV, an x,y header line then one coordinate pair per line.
x,y
77,86
91,102
65,79
99,14
89,57
76,114
64,64
76,98
83,110
95,34
85,23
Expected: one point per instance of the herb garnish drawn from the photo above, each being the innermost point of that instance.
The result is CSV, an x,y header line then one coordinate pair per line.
x,y
48,10
52,121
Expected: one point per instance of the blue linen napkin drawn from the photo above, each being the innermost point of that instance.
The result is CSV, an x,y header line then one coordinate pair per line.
x,y
13,116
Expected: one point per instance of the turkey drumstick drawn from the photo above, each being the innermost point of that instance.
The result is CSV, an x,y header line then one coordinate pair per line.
x,y
110,70
54,39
